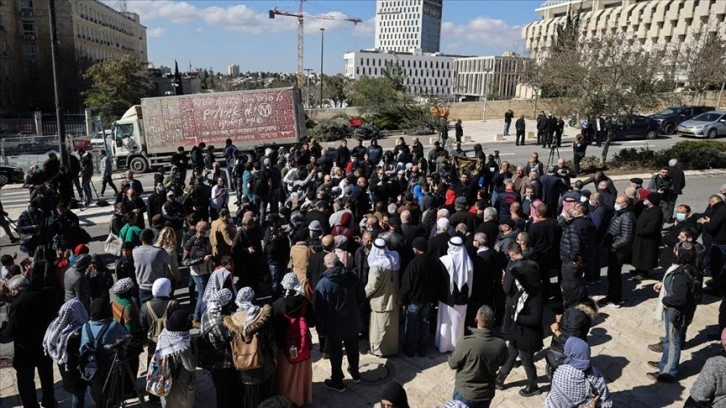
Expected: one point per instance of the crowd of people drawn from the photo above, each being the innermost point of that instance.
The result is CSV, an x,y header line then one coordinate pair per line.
x,y
410,252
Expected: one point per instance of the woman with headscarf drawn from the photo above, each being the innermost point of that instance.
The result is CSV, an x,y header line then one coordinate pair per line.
x,y
294,380
154,314
458,270
343,227
248,321
341,249
62,343
393,395
221,278
126,312
175,344
215,352
576,383
382,291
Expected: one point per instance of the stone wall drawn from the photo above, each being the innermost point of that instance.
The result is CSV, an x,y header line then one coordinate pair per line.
x,y
530,107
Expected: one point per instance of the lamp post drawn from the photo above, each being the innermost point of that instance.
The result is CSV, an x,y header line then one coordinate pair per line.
x,y
59,117
322,43
307,86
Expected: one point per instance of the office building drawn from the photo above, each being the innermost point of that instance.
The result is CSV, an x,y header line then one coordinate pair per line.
x,y
475,78
407,25
425,74
233,70
648,23
89,31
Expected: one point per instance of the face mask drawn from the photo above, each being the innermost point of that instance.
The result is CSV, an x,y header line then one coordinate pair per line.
x,y
680,216
583,199
618,207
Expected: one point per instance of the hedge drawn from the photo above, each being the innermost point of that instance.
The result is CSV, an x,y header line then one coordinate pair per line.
x,y
693,155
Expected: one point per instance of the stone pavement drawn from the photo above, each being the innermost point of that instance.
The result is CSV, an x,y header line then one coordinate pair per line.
x,y
619,342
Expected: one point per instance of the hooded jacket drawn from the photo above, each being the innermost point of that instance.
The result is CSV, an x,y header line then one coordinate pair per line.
x,y
337,298
76,283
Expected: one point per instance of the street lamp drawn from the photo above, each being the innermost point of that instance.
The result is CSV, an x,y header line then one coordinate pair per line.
x,y
322,43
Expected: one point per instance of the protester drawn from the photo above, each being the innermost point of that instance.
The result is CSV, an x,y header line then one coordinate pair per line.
x,y
151,264
577,382
393,396
382,291
710,387
175,344
458,270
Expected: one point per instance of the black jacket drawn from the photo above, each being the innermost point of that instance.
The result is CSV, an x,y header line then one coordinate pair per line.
x,y
678,178
621,231
338,296
716,227
577,240
647,238
544,238
29,316
526,330
464,217
153,205
520,125
679,296
420,281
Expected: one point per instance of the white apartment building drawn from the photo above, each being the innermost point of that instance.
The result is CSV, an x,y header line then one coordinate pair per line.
x,y
649,23
475,78
425,74
233,70
406,25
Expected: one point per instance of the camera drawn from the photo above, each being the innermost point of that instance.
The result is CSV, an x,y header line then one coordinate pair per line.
x,y
120,345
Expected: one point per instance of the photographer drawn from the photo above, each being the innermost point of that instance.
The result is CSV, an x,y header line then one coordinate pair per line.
x,y
101,318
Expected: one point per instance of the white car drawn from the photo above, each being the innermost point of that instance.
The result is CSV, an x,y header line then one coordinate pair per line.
x,y
98,140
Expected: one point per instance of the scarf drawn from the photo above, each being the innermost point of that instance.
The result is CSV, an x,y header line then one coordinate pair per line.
x,y
71,317
521,299
245,296
459,265
380,256
216,282
577,353
662,294
173,342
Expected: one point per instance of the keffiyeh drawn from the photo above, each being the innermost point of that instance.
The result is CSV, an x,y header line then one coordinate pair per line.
x,y
71,317
459,266
219,299
122,286
380,256
216,282
175,338
291,283
245,296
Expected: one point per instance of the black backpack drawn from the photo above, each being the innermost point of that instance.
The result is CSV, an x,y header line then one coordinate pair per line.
x,y
93,357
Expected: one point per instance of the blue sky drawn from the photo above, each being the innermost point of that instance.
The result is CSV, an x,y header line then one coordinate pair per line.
x,y
219,33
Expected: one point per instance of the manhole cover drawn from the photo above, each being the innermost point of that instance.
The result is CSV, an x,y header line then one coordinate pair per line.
x,y
376,373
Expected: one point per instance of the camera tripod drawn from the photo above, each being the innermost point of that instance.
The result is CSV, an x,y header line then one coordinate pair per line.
x,y
114,387
553,149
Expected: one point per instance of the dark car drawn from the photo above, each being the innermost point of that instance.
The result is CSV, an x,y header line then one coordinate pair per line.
x,y
668,119
11,174
634,127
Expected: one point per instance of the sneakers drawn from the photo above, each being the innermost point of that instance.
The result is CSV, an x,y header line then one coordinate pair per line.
x,y
334,386
654,364
657,347
664,378
354,376
529,392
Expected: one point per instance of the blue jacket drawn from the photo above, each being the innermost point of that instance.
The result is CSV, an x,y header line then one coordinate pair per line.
x,y
114,332
337,298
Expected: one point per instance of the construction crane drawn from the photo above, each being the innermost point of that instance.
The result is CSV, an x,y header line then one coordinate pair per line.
x,y
300,34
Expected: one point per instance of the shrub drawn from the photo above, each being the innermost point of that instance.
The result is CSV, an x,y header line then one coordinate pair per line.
x,y
633,158
693,155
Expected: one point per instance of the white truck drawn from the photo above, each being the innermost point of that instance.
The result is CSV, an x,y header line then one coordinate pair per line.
x,y
147,135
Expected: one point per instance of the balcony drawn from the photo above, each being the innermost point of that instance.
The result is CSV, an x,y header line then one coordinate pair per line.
x,y
27,37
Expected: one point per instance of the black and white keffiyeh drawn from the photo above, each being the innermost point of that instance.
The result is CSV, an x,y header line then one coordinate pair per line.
x,y
71,317
173,342
122,286
245,296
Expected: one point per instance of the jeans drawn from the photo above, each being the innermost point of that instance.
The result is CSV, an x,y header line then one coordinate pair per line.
x,y
520,138
25,377
671,346
77,183
87,195
470,403
417,327
78,399
506,128
230,391
275,275
261,203
527,358
108,180
336,357
145,295
615,281
200,281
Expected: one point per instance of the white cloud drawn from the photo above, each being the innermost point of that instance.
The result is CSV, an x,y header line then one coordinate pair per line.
x,y
199,29
482,32
238,18
366,29
155,32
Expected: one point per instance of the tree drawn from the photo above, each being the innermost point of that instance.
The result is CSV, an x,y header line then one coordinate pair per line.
x,y
116,85
609,75
705,62
336,89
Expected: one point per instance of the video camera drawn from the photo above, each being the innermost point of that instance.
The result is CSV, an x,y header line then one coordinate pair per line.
x,y
120,346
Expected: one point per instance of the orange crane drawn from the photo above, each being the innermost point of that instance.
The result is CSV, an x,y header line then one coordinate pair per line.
x,y
300,17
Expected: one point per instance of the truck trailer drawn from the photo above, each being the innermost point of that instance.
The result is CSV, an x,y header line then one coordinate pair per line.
x,y
147,135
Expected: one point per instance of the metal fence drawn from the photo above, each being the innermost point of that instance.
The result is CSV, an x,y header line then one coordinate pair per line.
x,y
75,124
26,150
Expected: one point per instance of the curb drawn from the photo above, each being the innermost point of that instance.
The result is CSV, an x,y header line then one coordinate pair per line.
x,y
647,176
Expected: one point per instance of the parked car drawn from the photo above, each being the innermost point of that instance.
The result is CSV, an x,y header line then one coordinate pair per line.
x,y
709,124
11,174
35,148
670,118
634,127
98,141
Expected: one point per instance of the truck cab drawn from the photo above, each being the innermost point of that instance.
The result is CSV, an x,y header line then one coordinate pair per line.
x,y
128,141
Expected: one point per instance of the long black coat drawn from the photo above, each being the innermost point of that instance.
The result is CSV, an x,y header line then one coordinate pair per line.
x,y
647,238
29,316
526,331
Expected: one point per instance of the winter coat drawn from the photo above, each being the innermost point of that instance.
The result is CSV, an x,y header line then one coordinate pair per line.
x,y
577,240
526,330
646,242
338,296
621,231
29,316
76,281
262,326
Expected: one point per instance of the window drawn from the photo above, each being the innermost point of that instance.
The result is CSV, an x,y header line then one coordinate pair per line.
x,y
31,52
26,4
28,28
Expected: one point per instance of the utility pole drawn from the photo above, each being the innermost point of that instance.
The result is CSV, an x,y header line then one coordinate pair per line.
x,y
307,85
322,47
60,119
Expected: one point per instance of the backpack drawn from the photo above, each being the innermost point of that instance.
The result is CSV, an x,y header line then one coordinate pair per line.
x,y
159,376
297,340
93,357
158,323
247,353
